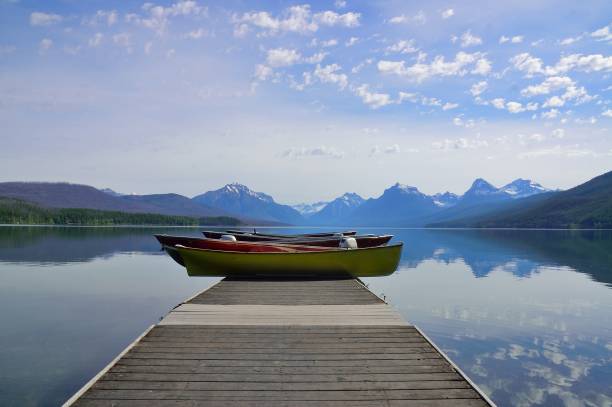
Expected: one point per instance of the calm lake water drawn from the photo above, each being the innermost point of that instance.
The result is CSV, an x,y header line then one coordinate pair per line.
x,y
526,314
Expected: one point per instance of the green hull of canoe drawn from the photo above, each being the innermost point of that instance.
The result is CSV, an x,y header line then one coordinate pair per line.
x,y
366,262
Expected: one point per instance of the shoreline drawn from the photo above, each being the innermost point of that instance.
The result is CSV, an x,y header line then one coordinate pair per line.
x,y
287,227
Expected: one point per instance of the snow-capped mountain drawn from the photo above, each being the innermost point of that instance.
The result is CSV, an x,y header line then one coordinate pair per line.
x,y
307,209
239,200
446,199
337,209
399,205
522,188
482,191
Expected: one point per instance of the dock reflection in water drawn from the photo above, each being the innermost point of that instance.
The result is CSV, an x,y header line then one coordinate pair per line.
x,y
526,314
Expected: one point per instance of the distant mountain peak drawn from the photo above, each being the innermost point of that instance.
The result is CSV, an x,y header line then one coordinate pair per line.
x,y
404,188
481,187
521,188
238,199
351,199
308,209
238,189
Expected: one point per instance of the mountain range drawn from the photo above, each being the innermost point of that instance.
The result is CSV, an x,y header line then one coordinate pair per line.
x,y
519,203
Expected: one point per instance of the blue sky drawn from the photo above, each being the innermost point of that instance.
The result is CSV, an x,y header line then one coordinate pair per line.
x,y
304,101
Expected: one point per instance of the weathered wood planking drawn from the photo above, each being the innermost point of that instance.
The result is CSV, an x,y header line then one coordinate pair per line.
x,y
282,343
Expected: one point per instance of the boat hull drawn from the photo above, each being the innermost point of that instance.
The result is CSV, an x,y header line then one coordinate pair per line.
x,y
368,262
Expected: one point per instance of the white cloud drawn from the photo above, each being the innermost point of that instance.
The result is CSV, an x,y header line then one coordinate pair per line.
x,y
427,101
262,72
499,103
607,113
322,151
478,88
403,47
459,144
467,39
438,67
412,97
399,19
44,45
418,18
588,120
526,63
554,101
515,107
587,63
372,99
329,43
603,34
517,39
483,67
362,65
551,114
547,86
157,17
38,18
108,17
450,106
241,30
297,19
331,18
553,83
392,149
448,13
315,58
95,40
570,40
340,4
278,57
351,41
306,81
330,74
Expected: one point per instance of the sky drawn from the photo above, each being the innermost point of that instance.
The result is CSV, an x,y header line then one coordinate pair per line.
x,y
304,101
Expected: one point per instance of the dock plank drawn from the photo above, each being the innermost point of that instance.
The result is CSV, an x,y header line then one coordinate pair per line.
x,y
283,343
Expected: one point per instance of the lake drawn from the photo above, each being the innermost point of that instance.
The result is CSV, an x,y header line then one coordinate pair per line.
x,y
527,315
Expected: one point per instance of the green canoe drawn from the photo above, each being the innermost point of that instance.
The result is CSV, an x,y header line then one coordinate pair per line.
x,y
366,262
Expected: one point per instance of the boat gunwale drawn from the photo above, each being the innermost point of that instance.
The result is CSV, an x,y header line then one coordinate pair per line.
x,y
331,249
283,241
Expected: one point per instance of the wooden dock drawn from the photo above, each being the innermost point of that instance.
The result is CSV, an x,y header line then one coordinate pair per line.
x,y
282,343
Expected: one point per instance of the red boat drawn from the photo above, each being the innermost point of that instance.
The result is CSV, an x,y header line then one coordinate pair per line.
x,y
169,242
